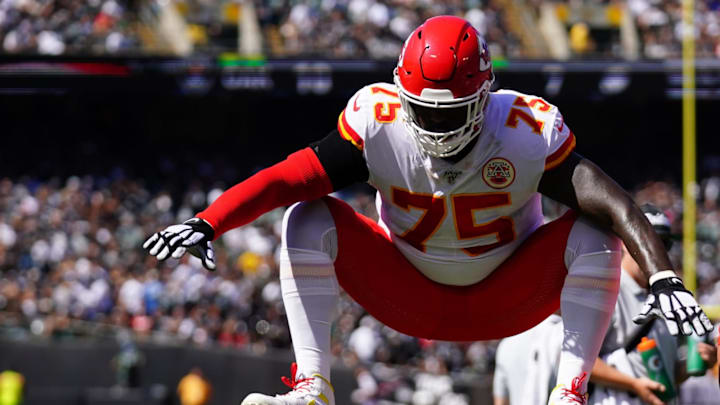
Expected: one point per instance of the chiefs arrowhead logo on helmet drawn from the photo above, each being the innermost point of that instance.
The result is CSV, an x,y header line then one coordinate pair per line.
x,y
444,75
485,62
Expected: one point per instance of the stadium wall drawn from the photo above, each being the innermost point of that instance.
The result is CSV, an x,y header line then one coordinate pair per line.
x,y
81,372
154,117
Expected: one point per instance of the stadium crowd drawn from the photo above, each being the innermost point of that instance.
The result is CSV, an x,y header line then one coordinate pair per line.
x,y
54,27
329,28
375,28
72,264
660,27
668,197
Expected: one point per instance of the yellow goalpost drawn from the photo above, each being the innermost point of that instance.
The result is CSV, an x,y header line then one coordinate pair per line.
x,y
689,184
689,156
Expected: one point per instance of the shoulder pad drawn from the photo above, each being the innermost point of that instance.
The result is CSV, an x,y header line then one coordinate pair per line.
x,y
374,104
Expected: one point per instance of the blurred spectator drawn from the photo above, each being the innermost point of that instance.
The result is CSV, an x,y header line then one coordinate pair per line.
x,y
580,41
525,364
346,29
668,197
704,390
54,27
661,29
194,389
371,28
12,387
619,374
127,363
367,386
364,340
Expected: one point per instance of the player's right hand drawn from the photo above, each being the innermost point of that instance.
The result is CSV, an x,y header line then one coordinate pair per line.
x,y
194,235
646,388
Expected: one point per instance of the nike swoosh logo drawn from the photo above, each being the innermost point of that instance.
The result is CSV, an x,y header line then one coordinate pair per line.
x,y
355,106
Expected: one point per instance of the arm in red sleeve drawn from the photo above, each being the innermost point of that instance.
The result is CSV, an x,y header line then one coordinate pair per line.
x,y
300,177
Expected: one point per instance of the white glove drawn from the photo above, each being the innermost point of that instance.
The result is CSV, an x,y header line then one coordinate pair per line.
x,y
671,300
194,235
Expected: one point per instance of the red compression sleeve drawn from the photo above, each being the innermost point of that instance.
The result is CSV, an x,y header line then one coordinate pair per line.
x,y
300,177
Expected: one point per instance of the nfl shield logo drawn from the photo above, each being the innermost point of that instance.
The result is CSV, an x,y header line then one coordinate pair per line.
x,y
451,175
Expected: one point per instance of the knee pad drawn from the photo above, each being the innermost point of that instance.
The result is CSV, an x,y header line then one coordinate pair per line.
x,y
309,226
592,257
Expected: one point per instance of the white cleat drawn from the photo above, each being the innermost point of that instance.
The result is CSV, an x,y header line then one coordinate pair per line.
x,y
563,396
313,390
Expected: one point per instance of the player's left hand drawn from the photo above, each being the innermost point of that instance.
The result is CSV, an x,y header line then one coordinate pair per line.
x,y
670,300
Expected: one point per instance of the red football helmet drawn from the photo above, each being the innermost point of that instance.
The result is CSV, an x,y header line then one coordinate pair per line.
x,y
444,75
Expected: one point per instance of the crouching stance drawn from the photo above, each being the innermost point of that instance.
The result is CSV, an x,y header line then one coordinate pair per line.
x,y
567,262
460,251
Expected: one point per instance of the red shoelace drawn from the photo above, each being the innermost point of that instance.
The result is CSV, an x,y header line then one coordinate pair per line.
x,y
574,392
297,385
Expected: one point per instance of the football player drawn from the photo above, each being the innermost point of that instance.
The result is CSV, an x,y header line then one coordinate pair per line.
x,y
460,251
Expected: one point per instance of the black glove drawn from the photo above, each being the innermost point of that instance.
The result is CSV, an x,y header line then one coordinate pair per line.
x,y
671,300
194,235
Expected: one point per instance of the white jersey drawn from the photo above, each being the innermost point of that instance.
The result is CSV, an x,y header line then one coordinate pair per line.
x,y
526,363
456,222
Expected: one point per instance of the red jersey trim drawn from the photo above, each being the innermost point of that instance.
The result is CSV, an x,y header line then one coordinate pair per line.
x,y
348,133
561,154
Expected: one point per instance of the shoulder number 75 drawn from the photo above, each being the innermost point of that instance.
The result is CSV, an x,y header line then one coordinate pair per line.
x,y
463,207
516,114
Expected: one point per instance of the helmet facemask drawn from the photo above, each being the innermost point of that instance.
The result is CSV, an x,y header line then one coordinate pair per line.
x,y
435,140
